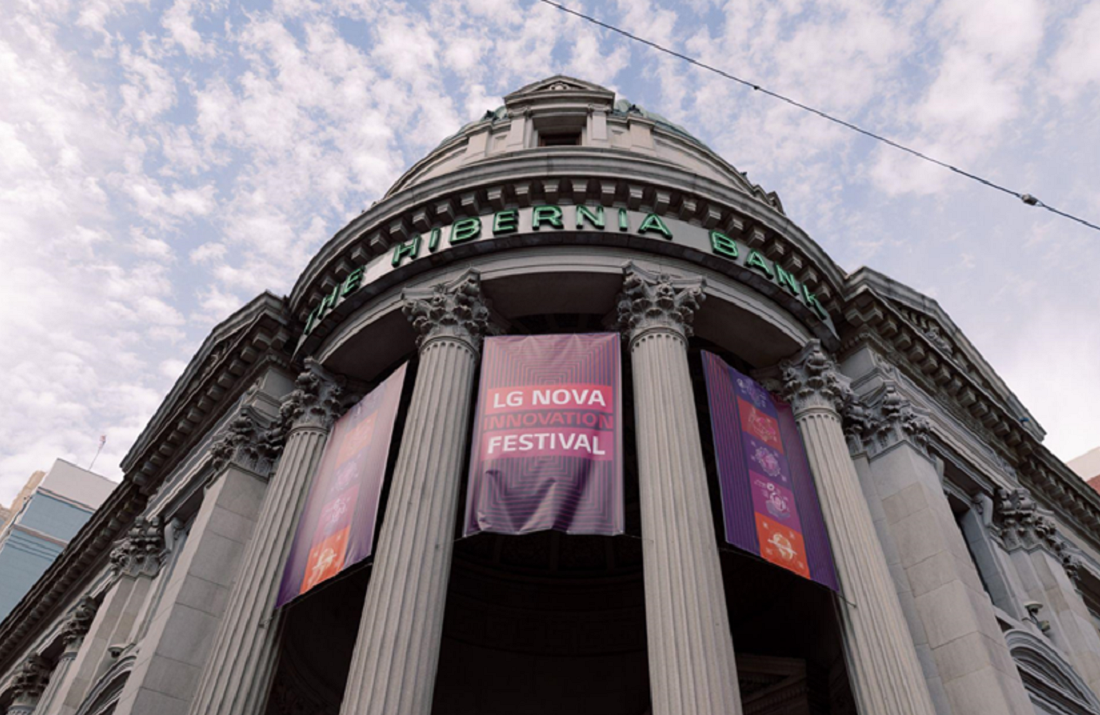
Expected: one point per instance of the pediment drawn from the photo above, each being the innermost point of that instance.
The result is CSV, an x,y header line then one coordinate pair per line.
x,y
919,316
559,85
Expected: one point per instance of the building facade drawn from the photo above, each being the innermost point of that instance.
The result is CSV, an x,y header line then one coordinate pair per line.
x,y
968,556
45,515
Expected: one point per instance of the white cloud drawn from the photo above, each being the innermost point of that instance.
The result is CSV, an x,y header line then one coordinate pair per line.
x,y
179,24
1076,66
150,90
134,133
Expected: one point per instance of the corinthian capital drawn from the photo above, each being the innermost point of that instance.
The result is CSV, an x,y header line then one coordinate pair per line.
x,y
79,622
897,420
315,401
657,301
811,379
249,441
456,310
142,551
1017,518
31,680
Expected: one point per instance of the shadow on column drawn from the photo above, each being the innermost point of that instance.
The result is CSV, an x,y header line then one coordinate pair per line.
x,y
549,623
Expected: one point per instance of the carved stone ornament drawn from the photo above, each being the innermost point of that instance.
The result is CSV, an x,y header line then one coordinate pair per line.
x,y
79,622
858,422
142,551
657,301
892,419
249,442
1017,517
1074,565
31,680
811,379
456,310
937,338
315,401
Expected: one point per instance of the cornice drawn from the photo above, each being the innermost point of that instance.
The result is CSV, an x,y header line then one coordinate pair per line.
x,y
949,377
236,352
925,316
247,341
1054,485
597,175
975,407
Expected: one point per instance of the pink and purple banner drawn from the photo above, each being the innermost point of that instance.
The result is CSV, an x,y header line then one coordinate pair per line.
x,y
336,530
547,449
769,500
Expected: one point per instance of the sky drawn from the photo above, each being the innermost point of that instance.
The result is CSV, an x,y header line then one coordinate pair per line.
x,y
162,162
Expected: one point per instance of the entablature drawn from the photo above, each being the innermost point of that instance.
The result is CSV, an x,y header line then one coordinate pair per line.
x,y
575,179
954,377
237,350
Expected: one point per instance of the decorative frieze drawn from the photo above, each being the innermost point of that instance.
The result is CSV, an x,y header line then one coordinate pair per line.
x,y
455,310
142,551
657,301
315,401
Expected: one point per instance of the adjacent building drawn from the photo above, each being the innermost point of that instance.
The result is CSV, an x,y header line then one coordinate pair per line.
x,y
967,555
43,517
1087,467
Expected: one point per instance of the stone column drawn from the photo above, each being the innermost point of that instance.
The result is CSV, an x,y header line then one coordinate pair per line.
x,y
691,661
882,660
72,637
30,683
949,608
1065,601
238,672
397,652
1048,569
135,562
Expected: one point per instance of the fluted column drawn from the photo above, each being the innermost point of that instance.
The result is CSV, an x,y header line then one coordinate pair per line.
x,y
72,637
397,652
239,670
30,683
882,661
691,662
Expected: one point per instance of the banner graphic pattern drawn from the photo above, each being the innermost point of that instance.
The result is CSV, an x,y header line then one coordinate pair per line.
x,y
547,449
336,530
769,501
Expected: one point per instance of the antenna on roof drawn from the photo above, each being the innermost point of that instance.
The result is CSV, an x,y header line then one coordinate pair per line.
x,y
102,441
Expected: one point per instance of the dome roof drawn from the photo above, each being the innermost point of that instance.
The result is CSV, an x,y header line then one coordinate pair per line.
x,y
562,113
563,83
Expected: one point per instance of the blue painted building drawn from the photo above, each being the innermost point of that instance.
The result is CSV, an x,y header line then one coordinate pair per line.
x,y
42,523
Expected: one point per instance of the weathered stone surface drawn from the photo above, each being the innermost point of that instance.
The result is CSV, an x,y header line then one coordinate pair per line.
x,y
882,661
397,652
691,659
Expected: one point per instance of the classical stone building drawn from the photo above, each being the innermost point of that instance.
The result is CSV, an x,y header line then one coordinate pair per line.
x,y
968,556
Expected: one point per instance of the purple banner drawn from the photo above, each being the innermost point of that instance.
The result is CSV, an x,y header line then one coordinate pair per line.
x,y
547,449
769,500
336,530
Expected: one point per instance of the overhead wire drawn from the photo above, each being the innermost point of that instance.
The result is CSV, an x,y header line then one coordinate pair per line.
x,y
1026,198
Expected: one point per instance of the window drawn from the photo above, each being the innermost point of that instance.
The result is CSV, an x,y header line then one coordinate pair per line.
x,y
560,138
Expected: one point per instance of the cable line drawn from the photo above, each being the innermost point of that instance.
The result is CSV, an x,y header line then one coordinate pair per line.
x,y
1026,198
